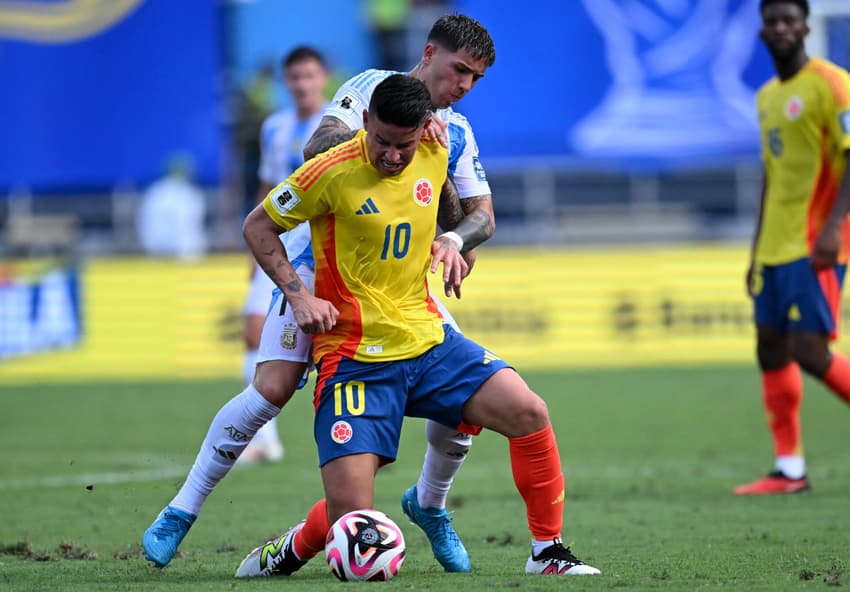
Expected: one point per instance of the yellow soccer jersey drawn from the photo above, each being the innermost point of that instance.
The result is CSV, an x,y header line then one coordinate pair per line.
x,y
372,240
805,131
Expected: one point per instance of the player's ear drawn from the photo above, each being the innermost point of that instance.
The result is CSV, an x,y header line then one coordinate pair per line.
x,y
365,117
428,52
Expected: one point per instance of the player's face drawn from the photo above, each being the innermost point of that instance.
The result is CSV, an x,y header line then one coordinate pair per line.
x,y
783,29
306,81
390,148
450,75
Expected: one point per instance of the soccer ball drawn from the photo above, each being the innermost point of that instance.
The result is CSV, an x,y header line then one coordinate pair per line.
x,y
365,545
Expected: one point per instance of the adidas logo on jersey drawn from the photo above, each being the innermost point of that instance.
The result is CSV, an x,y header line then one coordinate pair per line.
x,y
489,357
368,208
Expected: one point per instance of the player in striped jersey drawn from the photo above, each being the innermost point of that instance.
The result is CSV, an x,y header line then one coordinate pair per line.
x,y
381,346
802,243
456,55
278,353
270,337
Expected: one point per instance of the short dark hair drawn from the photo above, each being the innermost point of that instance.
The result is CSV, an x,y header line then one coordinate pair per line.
x,y
303,53
802,4
457,31
401,100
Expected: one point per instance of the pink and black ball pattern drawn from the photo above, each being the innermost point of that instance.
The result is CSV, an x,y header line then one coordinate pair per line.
x,y
365,545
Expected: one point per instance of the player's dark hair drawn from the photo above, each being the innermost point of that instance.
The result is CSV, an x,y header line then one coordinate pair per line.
x,y
302,53
802,4
401,100
457,31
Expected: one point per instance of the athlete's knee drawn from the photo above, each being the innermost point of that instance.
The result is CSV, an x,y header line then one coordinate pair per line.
x,y
773,352
532,415
527,413
812,355
277,381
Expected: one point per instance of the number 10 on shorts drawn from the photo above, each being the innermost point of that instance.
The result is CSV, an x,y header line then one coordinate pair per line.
x,y
353,394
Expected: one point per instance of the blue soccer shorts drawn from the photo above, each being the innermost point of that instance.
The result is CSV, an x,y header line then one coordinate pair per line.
x,y
360,406
797,297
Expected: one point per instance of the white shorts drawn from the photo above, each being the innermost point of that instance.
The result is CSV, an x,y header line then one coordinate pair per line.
x,y
259,294
281,338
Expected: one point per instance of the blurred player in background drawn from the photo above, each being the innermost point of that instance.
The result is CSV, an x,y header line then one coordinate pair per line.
x,y
802,241
456,55
458,52
379,338
282,139
173,200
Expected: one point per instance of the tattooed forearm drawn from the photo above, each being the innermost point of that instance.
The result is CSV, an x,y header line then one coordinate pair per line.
x,y
449,213
281,273
478,225
262,235
331,131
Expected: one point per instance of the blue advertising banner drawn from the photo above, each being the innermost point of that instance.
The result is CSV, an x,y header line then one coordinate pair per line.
x,y
41,313
96,92
636,83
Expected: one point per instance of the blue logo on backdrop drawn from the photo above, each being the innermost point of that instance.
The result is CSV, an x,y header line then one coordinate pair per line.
x,y
648,84
677,78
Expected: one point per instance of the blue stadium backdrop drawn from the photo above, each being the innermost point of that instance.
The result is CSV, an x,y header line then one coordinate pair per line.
x,y
99,92
623,83
104,96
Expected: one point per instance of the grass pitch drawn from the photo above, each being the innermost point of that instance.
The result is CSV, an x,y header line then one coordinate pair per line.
x,y
650,457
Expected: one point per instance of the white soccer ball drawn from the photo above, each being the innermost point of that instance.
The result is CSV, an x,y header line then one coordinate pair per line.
x,y
365,545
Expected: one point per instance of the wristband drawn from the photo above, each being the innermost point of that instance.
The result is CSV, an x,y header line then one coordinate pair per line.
x,y
455,238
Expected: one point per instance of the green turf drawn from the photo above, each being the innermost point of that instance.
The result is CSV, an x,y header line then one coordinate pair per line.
x,y
650,457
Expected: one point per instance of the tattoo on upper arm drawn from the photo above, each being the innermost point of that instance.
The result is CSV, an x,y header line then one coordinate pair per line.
x,y
331,131
473,203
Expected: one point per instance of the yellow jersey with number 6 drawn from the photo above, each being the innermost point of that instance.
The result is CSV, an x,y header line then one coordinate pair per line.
x,y
805,132
372,238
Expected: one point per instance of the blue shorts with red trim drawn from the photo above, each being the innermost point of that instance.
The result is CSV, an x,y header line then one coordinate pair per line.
x,y
797,297
360,406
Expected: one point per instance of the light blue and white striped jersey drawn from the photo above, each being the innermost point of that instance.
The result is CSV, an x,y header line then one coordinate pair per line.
x,y
282,139
465,168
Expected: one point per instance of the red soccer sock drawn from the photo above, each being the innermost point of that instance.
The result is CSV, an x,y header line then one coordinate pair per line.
x,y
837,376
782,391
308,541
536,466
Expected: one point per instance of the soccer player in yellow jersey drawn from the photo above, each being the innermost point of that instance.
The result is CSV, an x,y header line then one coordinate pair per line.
x,y
802,242
458,52
381,348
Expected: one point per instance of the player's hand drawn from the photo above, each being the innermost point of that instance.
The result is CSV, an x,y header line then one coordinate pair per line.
x,y
469,257
825,253
314,315
445,251
435,130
